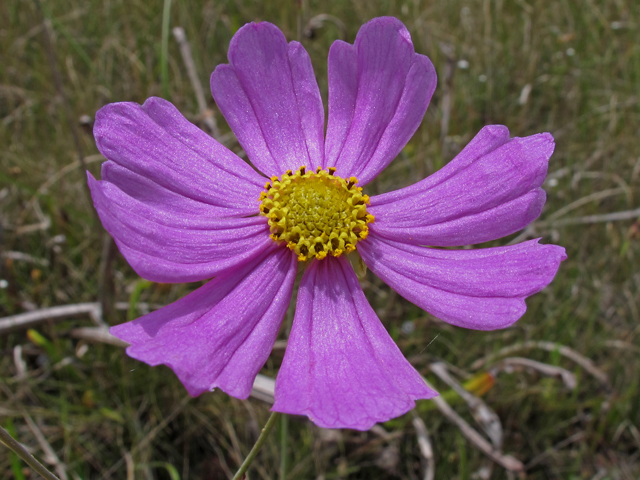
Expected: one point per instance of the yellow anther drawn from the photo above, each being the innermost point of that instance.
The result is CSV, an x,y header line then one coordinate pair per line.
x,y
315,213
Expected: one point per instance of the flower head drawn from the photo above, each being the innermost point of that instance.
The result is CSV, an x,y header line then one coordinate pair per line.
x,y
183,208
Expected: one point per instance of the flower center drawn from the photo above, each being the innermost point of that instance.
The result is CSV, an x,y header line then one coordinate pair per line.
x,y
316,213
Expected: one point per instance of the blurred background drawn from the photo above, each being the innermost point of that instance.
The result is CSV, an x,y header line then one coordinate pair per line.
x,y
554,397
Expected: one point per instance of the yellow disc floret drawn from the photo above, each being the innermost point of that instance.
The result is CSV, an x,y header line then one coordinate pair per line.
x,y
316,213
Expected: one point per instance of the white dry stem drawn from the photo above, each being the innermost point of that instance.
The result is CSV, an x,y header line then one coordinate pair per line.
x,y
517,363
206,113
97,334
599,218
21,365
532,230
506,461
25,320
563,350
49,455
264,388
601,195
25,257
424,443
482,413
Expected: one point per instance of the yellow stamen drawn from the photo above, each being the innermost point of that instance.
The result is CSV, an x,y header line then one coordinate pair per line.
x,y
316,213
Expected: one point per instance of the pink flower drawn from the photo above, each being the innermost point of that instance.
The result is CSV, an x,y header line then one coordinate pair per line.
x,y
183,208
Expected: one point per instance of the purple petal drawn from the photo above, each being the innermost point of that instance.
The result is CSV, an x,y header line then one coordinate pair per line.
x,y
156,142
341,368
157,197
379,90
221,335
491,189
174,242
269,96
481,289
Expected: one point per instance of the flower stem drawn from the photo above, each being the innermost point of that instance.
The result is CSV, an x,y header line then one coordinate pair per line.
x,y
258,445
19,450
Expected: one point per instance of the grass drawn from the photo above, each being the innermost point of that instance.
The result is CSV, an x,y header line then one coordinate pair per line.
x,y
570,68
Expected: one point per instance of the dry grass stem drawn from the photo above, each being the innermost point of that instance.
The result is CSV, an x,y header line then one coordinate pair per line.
x,y
49,455
424,443
97,334
584,201
25,257
485,416
599,218
516,363
29,319
506,461
208,118
25,455
563,350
